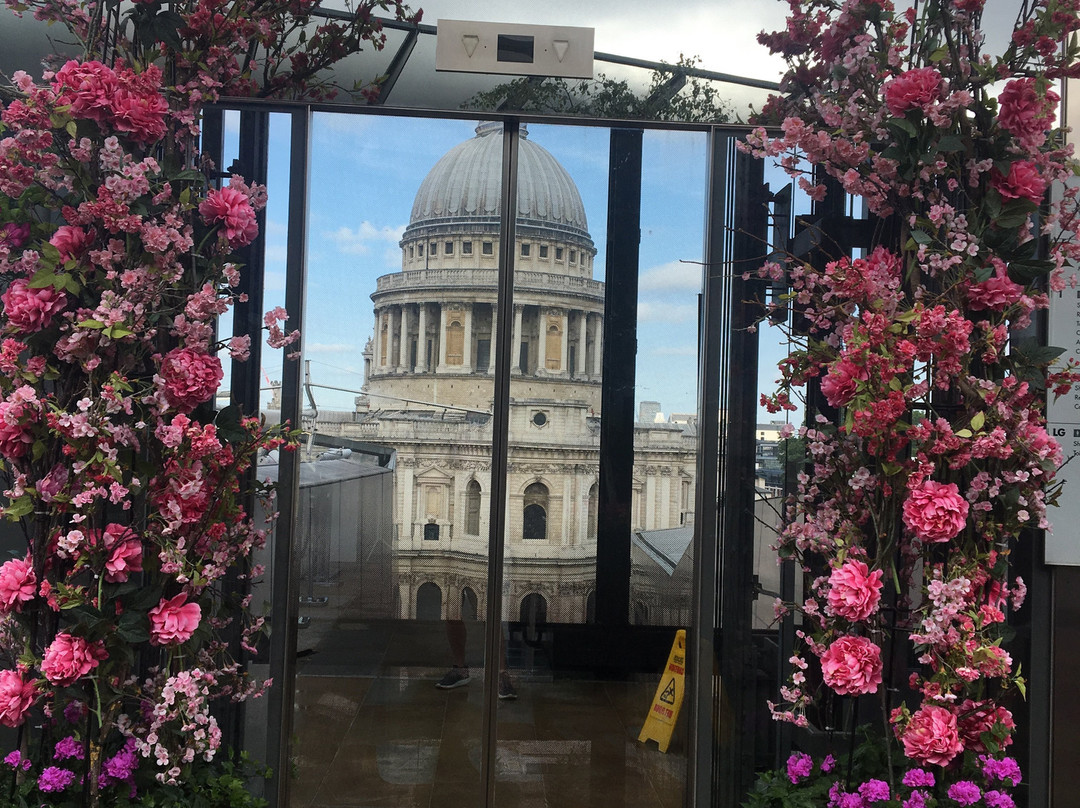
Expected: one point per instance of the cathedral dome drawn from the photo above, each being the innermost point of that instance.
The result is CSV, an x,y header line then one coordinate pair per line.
x,y
464,188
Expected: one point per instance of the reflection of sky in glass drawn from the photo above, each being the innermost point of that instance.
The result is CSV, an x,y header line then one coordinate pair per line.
x,y
365,172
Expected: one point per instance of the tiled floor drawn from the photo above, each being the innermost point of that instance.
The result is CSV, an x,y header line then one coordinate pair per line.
x,y
395,741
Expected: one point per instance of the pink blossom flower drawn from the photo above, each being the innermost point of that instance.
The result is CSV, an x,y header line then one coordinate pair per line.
x,y
1022,182
174,621
18,584
190,377
125,553
851,666
231,209
69,657
71,241
915,89
854,591
138,108
935,511
16,696
931,736
29,310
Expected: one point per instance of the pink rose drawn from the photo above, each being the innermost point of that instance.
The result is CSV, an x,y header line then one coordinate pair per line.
x,y
854,591
915,89
30,310
16,696
88,88
852,666
231,209
841,383
70,241
18,584
996,293
174,621
68,657
935,511
190,377
1024,113
1023,182
931,737
125,553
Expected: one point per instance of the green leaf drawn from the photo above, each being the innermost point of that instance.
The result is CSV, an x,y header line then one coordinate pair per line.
x,y
134,627
903,125
1026,271
228,425
951,143
921,237
963,433
117,331
18,508
97,324
977,421
42,278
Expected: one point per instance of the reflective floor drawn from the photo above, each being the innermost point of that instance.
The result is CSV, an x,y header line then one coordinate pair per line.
x,y
362,742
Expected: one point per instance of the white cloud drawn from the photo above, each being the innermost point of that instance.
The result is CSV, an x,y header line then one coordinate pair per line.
x,y
359,240
659,312
674,276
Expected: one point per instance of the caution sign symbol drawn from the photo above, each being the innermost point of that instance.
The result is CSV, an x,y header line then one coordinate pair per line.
x,y
660,722
668,696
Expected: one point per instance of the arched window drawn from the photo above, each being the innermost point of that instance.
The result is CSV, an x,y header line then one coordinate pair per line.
x,y
472,508
594,505
429,602
468,604
534,516
553,348
455,342
533,615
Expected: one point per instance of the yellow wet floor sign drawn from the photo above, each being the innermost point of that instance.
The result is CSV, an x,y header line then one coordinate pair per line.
x,y
668,699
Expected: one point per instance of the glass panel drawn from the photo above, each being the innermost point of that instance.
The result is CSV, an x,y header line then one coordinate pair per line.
x,y
391,551
571,713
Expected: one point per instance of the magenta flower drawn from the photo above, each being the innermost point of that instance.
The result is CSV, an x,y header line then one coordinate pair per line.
x,y
965,792
799,766
231,209
54,778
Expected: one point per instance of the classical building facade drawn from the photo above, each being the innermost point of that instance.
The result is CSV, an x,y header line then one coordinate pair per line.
x,y
428,388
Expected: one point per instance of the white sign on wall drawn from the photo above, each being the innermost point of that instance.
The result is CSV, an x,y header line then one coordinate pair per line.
x,y
521,50
1063,415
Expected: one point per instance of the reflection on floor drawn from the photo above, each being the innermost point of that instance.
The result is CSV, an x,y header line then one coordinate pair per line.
x,y
395,741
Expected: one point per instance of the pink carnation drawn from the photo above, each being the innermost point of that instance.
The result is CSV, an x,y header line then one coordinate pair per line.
x,y
16,696
68,657
996,293
854,591
18,584
125,553
174,621
190,377
1023,182
931,736
935,511
30,310
231,209
915,89
852,666
1026,114
139,109
88,88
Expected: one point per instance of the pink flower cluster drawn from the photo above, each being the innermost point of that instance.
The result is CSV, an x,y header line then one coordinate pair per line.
x,y
190,377
70,657
854,591
935,512
851,665
126,101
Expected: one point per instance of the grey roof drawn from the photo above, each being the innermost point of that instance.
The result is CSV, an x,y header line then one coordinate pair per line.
x,y
667,546
465,184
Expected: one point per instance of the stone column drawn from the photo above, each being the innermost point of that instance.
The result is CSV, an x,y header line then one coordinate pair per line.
x,y
541,349
421,340
515,350
466,349
598,348
564,325
581,372
442,340
403,354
